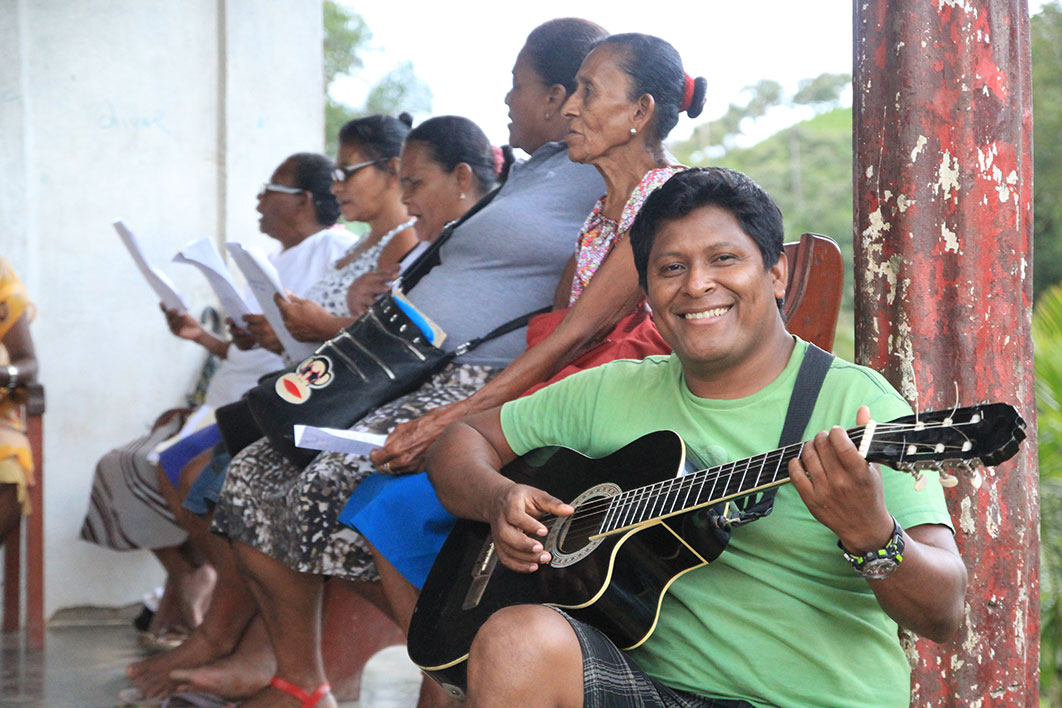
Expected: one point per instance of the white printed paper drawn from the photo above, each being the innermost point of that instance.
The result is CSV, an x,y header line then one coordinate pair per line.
x,y
204,255
158,281
264,281
337,440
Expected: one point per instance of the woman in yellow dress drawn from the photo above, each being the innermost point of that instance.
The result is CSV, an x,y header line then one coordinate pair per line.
x,y
17,366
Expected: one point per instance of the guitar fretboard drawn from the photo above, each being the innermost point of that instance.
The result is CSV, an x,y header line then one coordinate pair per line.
x,y
701,488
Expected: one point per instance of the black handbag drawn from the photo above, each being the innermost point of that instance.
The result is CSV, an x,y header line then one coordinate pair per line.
x,y
380,357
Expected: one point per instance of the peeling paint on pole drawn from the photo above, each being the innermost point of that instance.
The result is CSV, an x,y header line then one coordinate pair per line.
x,y
943,204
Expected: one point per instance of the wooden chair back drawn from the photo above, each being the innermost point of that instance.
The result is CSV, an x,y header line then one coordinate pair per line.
x,y
33,410
813,294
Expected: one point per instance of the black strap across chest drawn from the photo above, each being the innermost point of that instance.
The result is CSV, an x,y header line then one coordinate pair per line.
x,y
801,404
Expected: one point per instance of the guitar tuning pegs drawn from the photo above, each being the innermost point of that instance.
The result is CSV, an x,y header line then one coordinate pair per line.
x,y
947,480
920,481
976,480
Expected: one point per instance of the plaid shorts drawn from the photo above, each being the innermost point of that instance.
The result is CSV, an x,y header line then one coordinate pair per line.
x,y
612,680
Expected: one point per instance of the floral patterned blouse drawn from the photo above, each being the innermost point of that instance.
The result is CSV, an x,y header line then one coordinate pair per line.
x,y
330,292
601,234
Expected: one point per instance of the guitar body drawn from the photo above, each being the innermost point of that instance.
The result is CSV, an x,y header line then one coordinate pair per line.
x,y
615,583
637,527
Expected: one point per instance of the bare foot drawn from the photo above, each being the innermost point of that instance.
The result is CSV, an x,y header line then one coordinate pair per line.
x,y
238,675
151,675
270,697
168,614
185,599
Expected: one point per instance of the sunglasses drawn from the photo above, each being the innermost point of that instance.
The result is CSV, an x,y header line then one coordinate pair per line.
x,y
341,173
282,188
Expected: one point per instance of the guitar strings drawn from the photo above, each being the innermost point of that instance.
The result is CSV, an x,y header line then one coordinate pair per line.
x,y
641,499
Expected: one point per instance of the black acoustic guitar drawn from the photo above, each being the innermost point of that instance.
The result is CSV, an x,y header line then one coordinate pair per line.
x,y
638,525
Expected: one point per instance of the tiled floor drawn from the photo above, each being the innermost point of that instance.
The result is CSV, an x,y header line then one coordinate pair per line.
x,y
85,656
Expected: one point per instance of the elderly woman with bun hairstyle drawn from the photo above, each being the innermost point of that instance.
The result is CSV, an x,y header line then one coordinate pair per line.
x,y
630,91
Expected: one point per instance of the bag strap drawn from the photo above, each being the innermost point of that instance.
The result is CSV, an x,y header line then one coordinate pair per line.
x,y
513,324
430,258
801,404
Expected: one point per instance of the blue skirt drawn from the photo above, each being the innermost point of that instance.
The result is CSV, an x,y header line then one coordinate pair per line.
x,y
403,519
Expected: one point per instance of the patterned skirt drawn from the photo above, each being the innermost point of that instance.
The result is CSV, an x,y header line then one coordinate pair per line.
x,y
292,515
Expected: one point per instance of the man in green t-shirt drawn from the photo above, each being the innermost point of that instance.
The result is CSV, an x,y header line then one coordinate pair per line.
x,y
783,617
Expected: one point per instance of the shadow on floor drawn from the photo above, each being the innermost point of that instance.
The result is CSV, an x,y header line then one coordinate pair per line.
x,y
87,650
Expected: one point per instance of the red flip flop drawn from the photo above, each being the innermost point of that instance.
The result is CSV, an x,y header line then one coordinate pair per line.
x,y
309,700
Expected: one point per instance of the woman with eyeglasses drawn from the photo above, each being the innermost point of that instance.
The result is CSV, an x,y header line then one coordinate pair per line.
x,y
366,185
128,509
503,262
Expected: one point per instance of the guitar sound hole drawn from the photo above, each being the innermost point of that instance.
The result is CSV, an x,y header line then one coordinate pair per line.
x,y
569,540
574,540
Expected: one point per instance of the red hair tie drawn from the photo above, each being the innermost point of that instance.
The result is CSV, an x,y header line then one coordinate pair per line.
x,y
687,94
499,159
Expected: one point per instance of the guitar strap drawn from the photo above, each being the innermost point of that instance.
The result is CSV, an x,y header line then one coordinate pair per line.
x,y
801,404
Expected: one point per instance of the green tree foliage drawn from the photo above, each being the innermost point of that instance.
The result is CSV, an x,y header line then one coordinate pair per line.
x,y
1047,336
823,92
346,38
399,88
1046,36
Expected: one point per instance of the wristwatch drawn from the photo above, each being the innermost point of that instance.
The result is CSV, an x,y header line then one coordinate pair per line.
x,y
881,563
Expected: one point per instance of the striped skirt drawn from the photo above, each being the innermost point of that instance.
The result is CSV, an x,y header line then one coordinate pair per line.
x,y
127,511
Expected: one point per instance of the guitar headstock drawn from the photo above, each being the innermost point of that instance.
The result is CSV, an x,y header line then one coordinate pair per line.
x,y
971,437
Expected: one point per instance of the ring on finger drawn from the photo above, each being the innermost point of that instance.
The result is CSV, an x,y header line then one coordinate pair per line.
x,y
386,468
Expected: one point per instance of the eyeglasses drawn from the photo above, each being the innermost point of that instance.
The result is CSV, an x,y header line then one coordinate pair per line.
x,y
341,173
282,188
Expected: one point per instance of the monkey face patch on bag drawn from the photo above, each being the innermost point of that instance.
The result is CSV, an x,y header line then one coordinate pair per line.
x,y
296,387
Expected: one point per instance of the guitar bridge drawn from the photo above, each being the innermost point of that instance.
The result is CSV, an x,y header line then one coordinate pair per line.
x,y
481,572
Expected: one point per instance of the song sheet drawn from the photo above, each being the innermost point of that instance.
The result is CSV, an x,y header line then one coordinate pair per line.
x,y
264,281
158,281
204,255
337,440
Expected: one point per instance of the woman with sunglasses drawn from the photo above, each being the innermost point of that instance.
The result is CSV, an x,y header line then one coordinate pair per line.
x,y
127,510
366,185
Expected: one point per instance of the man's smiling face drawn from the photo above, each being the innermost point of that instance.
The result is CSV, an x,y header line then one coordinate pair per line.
x,y
712,298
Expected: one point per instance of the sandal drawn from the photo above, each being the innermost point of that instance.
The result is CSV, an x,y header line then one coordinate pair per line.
x,y
309,700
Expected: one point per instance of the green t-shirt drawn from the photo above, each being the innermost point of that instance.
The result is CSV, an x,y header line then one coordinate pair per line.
x,y
780,618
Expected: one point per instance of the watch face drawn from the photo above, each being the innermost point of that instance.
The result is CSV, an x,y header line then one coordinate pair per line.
x,y
878,568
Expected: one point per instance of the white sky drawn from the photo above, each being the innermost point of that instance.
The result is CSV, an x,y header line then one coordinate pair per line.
x,y
465,49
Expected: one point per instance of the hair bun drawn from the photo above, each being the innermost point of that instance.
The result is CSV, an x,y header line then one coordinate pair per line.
x,y
700,92
404,117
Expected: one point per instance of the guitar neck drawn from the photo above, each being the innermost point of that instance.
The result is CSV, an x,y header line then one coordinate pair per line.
x,y
707,487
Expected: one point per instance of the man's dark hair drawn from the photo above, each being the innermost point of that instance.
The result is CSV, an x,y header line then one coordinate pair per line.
x,y
759,217
313,173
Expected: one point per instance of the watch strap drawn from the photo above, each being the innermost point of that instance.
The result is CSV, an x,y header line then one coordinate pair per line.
x,y
892,551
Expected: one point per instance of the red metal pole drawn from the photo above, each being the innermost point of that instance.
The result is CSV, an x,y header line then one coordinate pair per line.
x,y
943,256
